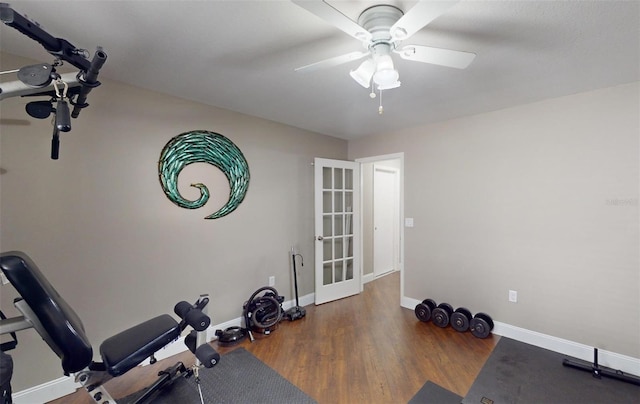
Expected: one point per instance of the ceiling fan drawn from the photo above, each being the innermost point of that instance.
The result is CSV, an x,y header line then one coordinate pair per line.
x,y
381,29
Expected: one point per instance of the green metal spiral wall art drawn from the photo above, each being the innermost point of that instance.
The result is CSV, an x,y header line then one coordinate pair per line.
x,y
202,146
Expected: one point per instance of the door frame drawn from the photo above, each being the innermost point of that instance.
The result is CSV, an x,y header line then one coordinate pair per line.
x,y
395,237
375,159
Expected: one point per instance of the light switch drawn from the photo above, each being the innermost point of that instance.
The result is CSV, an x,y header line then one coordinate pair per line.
x,y
408,222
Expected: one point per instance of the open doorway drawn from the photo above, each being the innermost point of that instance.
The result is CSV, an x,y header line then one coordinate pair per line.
x,y
382,212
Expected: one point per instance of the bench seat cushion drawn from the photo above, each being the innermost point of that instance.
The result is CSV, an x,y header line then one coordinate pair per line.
x,y
129,348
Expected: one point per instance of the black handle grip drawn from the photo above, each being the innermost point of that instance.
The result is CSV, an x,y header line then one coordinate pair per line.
x,y
63,120
55,145
89,81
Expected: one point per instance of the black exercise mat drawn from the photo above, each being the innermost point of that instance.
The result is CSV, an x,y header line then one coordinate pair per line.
x,y
239,377
521,373
431,393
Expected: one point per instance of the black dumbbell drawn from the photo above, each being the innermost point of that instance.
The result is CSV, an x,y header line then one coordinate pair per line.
x,y
423,310
442,314
460,319
481,325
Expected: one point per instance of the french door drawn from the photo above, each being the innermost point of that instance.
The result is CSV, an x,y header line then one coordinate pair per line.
x,y
337,229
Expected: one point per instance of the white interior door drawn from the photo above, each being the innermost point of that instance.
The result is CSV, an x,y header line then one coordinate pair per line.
x,y
337,226
384,219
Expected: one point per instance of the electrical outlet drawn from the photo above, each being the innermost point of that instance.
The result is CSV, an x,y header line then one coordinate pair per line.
x,y
272,281
513,296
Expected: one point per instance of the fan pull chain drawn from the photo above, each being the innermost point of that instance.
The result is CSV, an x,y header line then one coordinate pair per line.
x,y
380,109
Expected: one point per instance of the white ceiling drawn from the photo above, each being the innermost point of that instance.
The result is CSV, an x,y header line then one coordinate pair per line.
x,y
241,55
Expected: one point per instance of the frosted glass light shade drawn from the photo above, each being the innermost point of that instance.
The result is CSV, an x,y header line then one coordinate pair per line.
x,y
386,77
362,75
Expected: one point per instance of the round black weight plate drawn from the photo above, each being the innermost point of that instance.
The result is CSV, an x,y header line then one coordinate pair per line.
x,y
440,317
480,328
423,312
447,307
486,318
459,322
430,303
464,311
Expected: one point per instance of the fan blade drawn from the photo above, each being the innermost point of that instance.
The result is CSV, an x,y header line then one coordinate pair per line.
x,y
437,56
417,17
334,61
330,14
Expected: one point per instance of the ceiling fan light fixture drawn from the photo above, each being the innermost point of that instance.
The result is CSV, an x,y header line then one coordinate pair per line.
x,y
389,86
363,74
383,62
386,77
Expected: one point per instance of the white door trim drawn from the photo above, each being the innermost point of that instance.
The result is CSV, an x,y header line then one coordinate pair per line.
x,y
373,159
395,236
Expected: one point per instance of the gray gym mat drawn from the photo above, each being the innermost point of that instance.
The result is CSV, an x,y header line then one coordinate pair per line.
x,y
431,393
239,377
521,373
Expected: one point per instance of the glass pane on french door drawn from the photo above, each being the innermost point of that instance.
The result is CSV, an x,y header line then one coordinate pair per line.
x,y
338,229
338,197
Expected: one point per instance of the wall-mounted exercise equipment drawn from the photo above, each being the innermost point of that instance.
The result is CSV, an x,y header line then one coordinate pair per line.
x,y
202,146
43,80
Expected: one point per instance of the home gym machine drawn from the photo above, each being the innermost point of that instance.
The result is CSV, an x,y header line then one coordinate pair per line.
x,y
43,309
43,80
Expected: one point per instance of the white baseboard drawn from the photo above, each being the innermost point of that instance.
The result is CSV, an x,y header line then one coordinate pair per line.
x,y
63,386
573,349
366,278
47,391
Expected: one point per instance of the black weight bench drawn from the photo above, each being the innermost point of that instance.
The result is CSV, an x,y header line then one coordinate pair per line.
x,y
49,314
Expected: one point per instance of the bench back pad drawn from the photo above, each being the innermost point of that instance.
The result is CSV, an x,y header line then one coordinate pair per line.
x,y
55,320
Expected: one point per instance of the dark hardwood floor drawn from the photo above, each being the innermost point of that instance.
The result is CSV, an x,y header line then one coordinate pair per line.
x,y
362,349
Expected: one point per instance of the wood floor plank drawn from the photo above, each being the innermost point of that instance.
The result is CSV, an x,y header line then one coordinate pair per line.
x,y
361,349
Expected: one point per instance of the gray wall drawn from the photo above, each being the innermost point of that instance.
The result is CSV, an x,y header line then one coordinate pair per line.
x,y
540,198
99,225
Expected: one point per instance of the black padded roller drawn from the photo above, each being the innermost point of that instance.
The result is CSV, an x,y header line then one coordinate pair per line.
x,y
197,319
190,341
182,308
207,355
